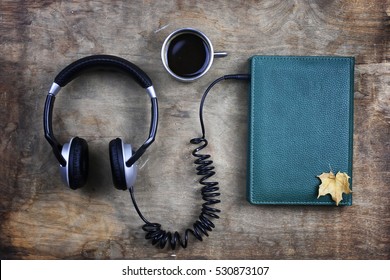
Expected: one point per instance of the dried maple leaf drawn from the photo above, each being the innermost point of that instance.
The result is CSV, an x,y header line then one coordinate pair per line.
x,y
334,185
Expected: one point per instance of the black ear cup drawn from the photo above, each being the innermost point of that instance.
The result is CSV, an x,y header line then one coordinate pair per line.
x,y
78,163
117,164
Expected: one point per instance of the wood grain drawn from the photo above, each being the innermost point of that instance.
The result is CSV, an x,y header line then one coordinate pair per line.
x,y
42,219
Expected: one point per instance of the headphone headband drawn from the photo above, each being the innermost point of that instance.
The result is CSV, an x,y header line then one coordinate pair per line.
x,y
75,69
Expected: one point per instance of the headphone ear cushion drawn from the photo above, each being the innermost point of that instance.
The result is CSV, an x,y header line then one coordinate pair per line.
x,y
117,164
78,164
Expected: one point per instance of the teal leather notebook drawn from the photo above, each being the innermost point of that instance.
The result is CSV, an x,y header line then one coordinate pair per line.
x,y
300,125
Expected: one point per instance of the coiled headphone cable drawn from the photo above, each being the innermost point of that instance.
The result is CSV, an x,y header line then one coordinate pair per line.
x,y
209,190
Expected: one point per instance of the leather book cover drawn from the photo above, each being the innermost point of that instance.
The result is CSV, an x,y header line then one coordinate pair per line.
x,y
300,126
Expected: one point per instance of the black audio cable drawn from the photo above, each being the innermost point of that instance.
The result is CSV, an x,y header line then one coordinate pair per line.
x,y
209,190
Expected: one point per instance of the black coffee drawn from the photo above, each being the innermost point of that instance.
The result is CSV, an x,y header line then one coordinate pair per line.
x,y
188,55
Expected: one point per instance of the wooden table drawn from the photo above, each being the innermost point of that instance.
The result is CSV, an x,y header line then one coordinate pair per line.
x,y
42,219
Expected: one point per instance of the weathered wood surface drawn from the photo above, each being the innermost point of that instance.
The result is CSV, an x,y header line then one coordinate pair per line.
x,y
40,218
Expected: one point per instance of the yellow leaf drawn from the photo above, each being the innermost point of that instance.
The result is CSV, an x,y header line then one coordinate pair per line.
x,y
334,185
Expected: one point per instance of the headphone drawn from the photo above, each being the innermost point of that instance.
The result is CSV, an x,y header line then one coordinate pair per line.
x,y
73,156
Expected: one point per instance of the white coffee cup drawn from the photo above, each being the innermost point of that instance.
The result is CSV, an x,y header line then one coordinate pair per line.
x,y
187,54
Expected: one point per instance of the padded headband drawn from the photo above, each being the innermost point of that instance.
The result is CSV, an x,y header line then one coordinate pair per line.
x,y
75,69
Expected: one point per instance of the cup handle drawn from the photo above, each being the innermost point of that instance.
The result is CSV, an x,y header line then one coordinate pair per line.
x,y
220,54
